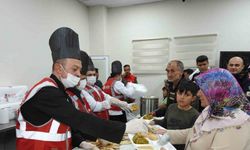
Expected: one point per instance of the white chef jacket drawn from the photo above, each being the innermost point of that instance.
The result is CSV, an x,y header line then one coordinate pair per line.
x,y
120,88
95,106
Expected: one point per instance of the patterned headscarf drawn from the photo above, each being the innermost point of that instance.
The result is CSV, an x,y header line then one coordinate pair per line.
x,y
223,92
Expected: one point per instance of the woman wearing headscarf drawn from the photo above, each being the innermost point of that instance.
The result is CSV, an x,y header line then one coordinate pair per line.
x,y
225,123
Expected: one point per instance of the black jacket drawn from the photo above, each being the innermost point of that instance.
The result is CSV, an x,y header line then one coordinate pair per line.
x,y
52,102
244,82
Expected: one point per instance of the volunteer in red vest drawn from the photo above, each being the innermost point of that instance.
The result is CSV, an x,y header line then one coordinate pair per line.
x,y
99,95
79,101
80,139
81,96
115,88
127,75
46,115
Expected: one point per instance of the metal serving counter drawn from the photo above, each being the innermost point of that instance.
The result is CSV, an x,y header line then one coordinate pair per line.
x,y
8,136
8,126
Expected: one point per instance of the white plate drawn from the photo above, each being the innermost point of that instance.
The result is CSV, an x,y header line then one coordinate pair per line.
x,y
147,120
153,144
158,118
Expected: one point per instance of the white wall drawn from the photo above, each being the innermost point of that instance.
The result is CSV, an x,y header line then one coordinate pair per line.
x,y
25,28
230,19
27,25
97,29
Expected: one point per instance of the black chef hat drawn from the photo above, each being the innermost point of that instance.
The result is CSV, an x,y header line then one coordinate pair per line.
x,y
91,66
116,67
85,62
64,43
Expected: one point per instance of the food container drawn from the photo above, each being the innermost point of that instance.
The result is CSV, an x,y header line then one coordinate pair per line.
x,y
148,104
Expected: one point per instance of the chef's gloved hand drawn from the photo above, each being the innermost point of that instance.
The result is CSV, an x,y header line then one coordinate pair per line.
x,y
123,104
88,146
106,105
118,102
152,122
164,139
136,125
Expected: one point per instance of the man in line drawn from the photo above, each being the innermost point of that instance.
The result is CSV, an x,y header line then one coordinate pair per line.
x,y
236,66
202,65
47,115
174,71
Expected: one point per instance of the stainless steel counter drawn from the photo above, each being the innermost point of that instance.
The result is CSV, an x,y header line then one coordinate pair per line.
x,y
8,136
8,126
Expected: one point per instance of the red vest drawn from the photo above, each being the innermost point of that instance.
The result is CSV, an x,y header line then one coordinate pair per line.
x,y
80,104
130,78
99,97
109,89
50,135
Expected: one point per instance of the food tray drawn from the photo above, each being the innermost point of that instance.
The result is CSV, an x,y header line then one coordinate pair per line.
x,y
153,145
147,120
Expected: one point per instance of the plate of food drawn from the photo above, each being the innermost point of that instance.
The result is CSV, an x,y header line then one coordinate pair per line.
x,y
149,141
148,117
140,141
106,145
133,107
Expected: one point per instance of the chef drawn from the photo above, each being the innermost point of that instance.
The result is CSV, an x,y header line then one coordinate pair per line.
x,y
114,87
99,95
46,115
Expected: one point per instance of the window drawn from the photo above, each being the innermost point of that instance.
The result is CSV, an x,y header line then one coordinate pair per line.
x,y
150,56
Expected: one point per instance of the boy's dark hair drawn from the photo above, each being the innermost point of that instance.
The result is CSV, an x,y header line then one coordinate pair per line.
x,y
201,58
186,86
189,71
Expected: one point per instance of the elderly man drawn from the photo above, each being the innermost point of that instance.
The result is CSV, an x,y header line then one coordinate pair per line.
x,y
174,70
236,66
47,115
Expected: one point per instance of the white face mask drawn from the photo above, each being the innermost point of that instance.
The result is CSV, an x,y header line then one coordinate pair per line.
x,y
82,84
91,80
70,81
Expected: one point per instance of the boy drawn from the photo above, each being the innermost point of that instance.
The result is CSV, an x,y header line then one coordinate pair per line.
x,y
181,115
